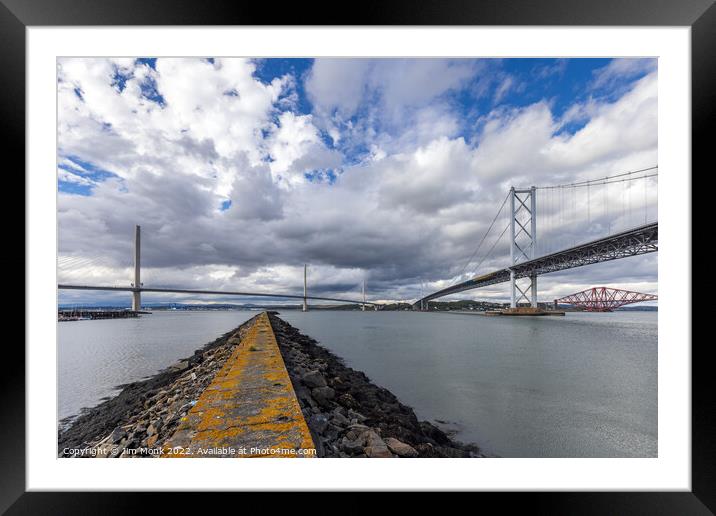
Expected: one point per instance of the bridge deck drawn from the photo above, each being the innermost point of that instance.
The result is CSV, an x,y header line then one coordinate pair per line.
x,y
633,242
249,409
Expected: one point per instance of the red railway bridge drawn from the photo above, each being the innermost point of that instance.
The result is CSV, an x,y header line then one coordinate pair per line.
x,y
603,299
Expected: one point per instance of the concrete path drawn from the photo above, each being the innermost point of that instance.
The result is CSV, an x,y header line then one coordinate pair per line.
x,y
249,409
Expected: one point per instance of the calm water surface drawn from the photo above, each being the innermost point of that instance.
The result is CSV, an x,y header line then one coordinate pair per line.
x,y
94,357
584,385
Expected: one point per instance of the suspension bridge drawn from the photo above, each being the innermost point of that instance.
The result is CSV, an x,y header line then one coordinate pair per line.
x,y
602,211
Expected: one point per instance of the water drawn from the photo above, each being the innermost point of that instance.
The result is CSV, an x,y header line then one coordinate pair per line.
x,y
584,385
94,357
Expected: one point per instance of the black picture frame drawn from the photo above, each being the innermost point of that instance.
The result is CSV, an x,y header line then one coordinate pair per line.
x,y
16,15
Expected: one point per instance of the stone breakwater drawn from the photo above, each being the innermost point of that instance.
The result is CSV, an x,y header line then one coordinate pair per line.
x,y
347,415
146,413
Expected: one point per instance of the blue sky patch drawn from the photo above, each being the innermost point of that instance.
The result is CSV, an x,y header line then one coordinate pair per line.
x,y
269,69
73,188
321,176
88,176
150,91
151,62
119,80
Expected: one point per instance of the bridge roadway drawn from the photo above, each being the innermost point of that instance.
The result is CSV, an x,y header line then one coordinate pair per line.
x,y
640,240
217,292
249,409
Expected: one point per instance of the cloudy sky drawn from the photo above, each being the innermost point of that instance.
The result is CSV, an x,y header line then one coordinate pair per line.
x,y
389,170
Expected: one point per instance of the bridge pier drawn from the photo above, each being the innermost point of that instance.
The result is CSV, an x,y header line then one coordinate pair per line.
x,y
513,290
305,287
137,294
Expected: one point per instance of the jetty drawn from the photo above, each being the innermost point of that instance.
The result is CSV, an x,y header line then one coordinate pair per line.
x,y
80,315
250,408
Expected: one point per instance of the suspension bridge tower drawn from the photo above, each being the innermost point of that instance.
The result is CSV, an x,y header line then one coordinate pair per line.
x,y
523,242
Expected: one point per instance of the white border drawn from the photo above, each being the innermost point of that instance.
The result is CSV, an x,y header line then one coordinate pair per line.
x,y
670,471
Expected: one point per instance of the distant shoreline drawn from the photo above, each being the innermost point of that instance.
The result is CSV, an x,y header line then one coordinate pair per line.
x,y
343,308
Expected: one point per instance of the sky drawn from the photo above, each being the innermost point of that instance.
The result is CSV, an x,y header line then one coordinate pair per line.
x,y
388,171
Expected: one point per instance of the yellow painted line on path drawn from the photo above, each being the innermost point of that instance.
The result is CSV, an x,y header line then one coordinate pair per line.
x,y
249,409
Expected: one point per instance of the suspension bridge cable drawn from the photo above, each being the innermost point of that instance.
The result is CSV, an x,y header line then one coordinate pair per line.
x,y
600,180
481,240
489,252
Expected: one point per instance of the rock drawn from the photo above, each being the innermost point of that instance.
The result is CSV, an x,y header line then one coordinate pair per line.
x,y
434,433
304,395
371,438
154,427
339,419
347,400
351,447
354,431
356,415
332,432
322,395
314,379
117,434
182,365
318,423
400,448
377,452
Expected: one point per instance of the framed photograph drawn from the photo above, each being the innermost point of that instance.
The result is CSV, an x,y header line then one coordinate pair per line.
x,y
418,248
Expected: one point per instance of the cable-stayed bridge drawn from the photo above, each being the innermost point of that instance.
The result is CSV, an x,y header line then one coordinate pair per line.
x,y
137,287
565,206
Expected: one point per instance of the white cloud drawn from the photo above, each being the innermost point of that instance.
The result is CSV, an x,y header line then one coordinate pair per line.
x,y
69,177
412,210
391,95
504,87
623,69
338,84
296,147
